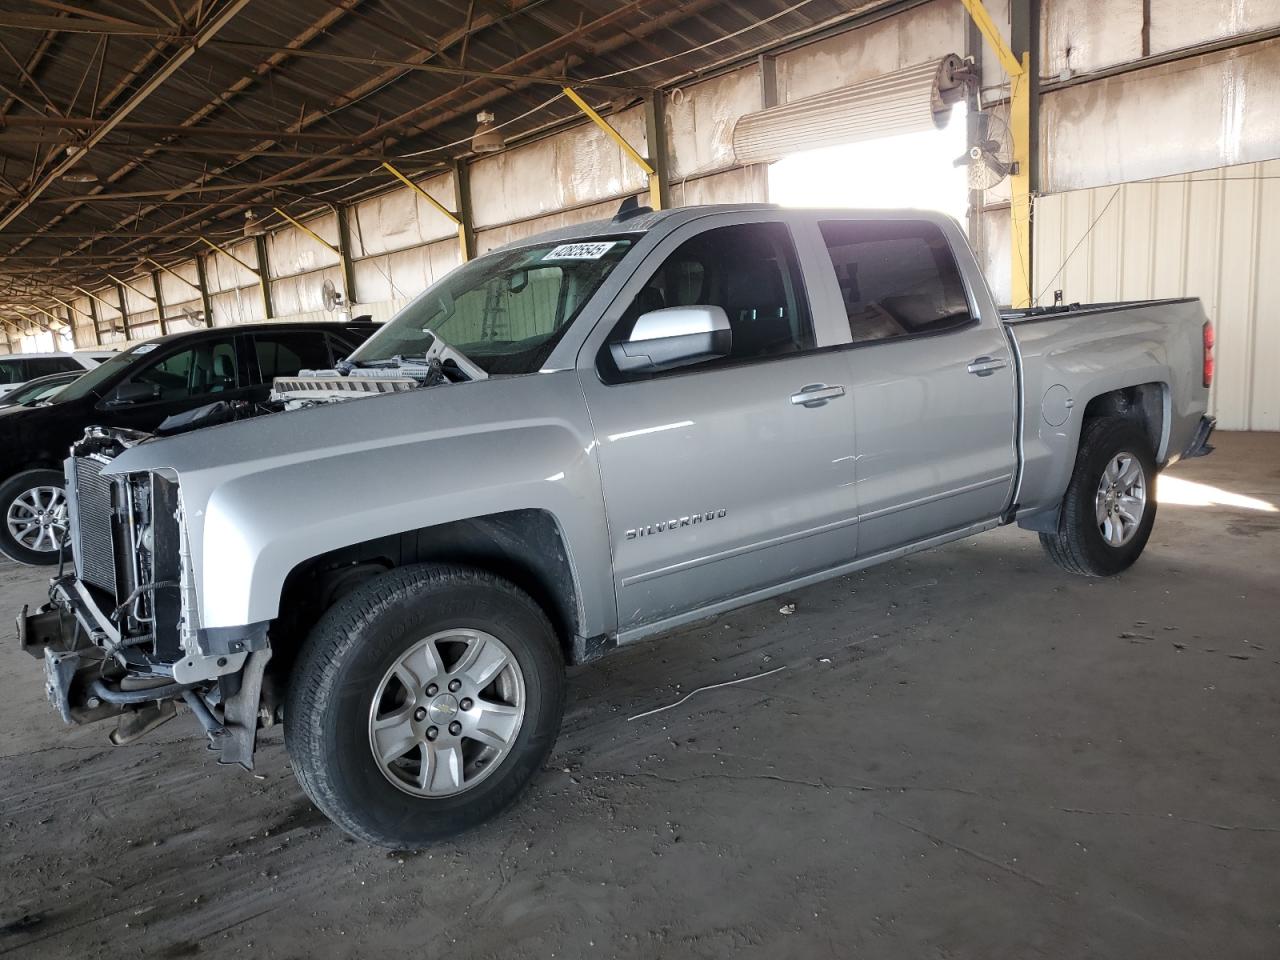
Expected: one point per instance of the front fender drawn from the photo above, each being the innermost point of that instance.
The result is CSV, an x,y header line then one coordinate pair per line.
x,y
262,496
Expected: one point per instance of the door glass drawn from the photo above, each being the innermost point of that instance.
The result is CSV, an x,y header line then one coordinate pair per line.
x,y
11,371
43,366
284,354
750,271
208,368
898,278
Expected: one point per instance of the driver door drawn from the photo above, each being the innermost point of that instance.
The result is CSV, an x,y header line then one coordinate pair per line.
x,y
181,379
720,478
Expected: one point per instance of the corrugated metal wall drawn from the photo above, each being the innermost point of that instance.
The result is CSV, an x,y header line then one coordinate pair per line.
x,y
1214,234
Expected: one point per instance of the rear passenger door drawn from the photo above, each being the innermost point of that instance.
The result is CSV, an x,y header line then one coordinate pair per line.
x,y
932,379
717,479
282,353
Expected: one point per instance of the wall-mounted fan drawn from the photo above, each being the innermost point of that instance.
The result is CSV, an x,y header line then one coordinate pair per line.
x,y
990,154
331,296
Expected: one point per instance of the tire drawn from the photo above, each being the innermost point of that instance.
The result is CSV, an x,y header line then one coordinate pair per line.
x,y
350,690
33,505
1084,544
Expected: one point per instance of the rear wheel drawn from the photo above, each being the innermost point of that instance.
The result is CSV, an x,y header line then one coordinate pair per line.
x,y
423,703
1109,508
34,505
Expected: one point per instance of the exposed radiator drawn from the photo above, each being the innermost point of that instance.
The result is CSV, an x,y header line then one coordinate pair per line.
x,y
90,507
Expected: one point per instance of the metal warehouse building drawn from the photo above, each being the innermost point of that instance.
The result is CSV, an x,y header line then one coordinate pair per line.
x,y
645,479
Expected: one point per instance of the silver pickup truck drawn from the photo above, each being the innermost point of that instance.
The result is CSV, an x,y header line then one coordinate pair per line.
x,y
581,440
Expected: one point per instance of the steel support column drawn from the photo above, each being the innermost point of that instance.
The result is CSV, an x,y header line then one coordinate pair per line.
x,y
159,298
462,204
124,309
264,274
1018,64
206,302
655,132
344,251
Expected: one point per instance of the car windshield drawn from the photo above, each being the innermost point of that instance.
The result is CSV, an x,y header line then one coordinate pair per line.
x,y
100,374
38,390
505,311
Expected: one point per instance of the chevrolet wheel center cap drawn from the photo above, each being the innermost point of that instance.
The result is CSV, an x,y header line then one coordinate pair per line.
x,y
443,708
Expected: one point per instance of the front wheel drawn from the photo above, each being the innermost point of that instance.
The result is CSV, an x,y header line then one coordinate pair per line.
x,y
423,703
35,517
1110,505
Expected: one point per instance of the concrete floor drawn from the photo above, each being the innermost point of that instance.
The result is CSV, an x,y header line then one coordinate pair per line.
x,y
968,754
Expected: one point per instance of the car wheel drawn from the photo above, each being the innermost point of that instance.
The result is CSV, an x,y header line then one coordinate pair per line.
x,y
34,505
1110,505
423,703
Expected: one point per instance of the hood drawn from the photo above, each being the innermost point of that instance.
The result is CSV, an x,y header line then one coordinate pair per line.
x,y
354,428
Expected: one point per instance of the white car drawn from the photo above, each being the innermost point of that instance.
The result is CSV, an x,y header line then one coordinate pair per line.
x,y
16,369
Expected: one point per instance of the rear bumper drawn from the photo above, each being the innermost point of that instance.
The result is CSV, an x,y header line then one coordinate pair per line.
x,y
1199,445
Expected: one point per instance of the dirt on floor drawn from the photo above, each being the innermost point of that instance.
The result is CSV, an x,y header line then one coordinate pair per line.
x,y
967,753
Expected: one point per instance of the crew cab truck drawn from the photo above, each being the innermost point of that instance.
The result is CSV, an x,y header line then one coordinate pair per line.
x,y
579,441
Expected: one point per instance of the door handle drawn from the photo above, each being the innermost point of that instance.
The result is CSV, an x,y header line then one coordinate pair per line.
x,y
986,366
816,395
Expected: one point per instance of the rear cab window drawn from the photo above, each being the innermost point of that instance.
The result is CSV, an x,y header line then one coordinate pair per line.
x,y
897,278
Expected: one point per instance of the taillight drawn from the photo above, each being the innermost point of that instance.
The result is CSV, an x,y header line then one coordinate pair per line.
x,y
1208,353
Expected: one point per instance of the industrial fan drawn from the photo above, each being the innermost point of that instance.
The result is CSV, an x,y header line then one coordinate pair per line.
x,y
990,154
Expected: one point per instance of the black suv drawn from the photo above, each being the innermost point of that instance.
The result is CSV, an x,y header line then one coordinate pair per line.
x,y
138,389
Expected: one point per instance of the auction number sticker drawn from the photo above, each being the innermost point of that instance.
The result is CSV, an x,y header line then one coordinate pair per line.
x,y
593,250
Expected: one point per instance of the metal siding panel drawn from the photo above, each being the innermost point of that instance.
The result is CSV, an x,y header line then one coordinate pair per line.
x,y
1234,319
1264,399
1213,235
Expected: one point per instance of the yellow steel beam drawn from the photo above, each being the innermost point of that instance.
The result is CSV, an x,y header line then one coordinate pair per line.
x,y
1008,59
259,272
614,135
1020,186
176,276
94,296
126,283
1019,71
655,193
453,217
308,231
87,316
227,253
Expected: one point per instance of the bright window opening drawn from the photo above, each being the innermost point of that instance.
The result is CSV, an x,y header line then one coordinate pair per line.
x,y
914,171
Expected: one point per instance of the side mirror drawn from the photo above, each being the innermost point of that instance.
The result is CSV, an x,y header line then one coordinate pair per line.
x,y
128,393
674,337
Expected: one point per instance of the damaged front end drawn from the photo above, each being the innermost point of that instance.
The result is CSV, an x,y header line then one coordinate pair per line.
x,y
120,636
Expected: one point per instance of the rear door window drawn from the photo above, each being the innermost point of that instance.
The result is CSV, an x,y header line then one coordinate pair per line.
x,y
283,354
897,278
43,366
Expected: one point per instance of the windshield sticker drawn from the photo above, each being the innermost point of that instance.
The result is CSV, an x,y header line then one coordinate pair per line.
x,y
581,251
144,348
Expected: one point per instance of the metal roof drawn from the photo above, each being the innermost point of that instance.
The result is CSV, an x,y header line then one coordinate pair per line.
x,y
194,111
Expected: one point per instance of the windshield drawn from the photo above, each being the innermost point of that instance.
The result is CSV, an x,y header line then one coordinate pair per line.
x,y
100,374
37,390
505,311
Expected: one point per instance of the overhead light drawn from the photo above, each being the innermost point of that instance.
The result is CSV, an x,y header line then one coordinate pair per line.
x,y
253,225
488,138
85,174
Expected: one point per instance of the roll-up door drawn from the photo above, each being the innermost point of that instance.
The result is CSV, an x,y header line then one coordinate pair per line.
x,y
906,101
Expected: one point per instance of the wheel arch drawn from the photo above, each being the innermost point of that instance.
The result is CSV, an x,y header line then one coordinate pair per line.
x,y
525,546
